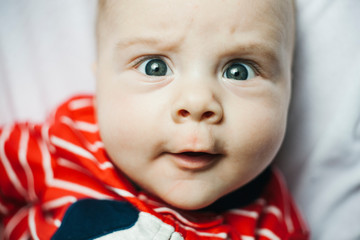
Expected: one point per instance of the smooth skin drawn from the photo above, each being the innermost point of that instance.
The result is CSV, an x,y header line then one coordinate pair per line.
x,y
192,96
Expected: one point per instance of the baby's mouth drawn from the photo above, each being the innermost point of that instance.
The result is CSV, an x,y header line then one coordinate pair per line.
x,y
194,161
196,154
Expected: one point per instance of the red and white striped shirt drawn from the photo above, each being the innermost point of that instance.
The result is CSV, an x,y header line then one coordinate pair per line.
x,y
44,169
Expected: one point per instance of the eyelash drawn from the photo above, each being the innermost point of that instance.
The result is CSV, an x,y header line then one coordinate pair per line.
x,y
142,59
256,67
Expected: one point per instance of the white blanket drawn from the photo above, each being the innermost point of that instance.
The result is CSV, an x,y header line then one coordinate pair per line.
x,y
321,154
46,53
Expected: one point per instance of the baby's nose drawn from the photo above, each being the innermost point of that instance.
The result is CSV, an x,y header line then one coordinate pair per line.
x,y
199,105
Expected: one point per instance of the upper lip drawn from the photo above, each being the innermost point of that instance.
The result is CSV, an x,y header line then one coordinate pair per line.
x,y
195,160
197,151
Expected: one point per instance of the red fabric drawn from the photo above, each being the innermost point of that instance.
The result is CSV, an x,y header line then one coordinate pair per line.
x,y
45,168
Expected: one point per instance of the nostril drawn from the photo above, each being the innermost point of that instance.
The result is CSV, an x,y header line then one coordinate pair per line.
x,y
208,114
183,113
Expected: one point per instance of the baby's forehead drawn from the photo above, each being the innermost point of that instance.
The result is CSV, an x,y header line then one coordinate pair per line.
x,y
277,6
282,8
160,13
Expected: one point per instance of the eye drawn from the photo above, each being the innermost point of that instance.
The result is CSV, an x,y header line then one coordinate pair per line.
x,y
239,71
154,67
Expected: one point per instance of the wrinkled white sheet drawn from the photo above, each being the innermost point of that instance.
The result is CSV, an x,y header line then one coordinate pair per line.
x,y
321,154
46,53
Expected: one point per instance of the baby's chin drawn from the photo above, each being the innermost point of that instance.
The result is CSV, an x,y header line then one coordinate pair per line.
x,y
189,204
191,199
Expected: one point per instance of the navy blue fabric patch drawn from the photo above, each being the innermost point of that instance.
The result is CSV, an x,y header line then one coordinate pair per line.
x,y
91,218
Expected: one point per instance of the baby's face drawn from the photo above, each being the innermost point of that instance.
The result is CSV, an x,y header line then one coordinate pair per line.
x,y
192,96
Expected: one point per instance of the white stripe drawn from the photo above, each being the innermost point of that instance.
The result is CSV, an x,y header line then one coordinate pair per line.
x,y
14,221
260,201
205,234
57,223
178,215
45,135
273,210
246,213
147,200
222,235
10,172
247,238
32,225
80,125
50,181
105,165
87,127
25,236
46,161
95,146
289,223
58,202
121,192
3,209
71,147
76,188
283,188
80,103
23,148
79,151
144,198
267,233
69,164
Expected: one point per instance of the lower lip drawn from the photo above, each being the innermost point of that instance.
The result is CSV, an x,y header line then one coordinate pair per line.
x,y
194,162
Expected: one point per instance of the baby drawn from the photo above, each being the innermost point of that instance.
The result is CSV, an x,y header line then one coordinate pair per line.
x,y
190,110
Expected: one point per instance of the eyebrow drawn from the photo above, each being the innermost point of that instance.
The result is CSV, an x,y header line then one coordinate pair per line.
x,y
152,41
258,51
263,48
267,55
260,46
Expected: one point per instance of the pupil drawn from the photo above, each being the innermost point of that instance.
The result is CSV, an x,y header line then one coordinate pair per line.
x,y
237,71
156,67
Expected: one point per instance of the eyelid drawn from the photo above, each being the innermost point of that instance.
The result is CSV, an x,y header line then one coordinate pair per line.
x,y
135,63
256,67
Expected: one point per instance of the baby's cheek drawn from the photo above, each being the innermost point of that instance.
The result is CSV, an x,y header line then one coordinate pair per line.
x,y
259,135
